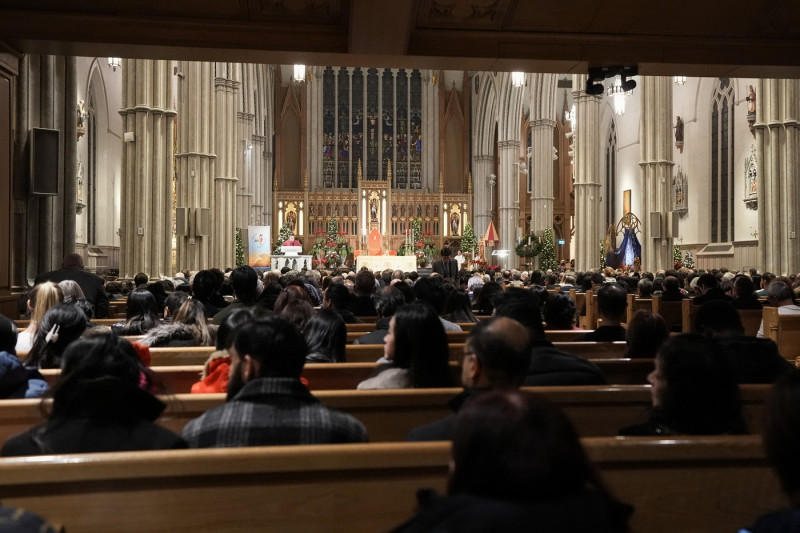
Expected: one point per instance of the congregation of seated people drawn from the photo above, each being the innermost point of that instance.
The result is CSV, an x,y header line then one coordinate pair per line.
x,y
265,327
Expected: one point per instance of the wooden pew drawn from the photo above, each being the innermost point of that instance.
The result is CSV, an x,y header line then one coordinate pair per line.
x,y
706,484
23,323
343,376
784,330
634,304
672,312
390,414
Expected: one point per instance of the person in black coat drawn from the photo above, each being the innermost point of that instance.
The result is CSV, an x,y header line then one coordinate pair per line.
x,y
445,266
91,285
518,465
100,404
386,302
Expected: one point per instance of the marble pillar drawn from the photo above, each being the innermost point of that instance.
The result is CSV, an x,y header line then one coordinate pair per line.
x,y
148,121
196,158
543,111
656,170
482,168
246,163
588,231
778,151
223,211
508,193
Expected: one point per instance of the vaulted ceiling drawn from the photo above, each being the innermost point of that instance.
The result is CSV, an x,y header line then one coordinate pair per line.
x,y
667,37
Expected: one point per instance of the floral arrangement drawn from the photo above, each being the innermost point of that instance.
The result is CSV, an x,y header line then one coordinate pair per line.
x,y
418,244
478,264
492,270
331,246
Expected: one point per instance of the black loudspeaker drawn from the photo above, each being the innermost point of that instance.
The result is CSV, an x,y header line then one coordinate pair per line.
x,y
202,222
181,221
44,152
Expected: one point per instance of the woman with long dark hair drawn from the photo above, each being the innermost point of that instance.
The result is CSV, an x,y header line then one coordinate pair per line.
x,y
326,337
100,404
61,325
141,314
417,351
694,391
518,465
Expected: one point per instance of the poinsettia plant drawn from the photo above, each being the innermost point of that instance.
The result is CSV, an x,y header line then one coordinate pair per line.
x,y
332,245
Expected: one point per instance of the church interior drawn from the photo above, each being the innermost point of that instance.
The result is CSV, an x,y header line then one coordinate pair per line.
x,y
179,124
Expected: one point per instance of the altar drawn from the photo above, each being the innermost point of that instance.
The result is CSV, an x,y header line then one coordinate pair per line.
x,y
378,263
294,262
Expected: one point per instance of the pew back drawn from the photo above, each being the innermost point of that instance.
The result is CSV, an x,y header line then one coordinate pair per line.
x,y
686,484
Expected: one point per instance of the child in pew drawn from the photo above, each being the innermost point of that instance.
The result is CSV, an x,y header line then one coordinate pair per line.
x,y
100,404
694,392
517,465
782,442
61,325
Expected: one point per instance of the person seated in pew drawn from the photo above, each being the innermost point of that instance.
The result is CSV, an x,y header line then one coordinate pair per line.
x,y
267,403
745,293
781,441
364,287
244,281
188,328
559,312
61,325
518,465
141,314
415,351
496,356
548,365
780,295
612,304
173,302
694,392
100,403
216,370
337,297
709,289
41,297
386,302
456,308
431,291
753,360
326,336
16,380
647,331
672,290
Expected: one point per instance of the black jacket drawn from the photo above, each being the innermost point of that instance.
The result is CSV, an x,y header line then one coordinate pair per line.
x,y
550,366
107,415
585,512
91,285
378,335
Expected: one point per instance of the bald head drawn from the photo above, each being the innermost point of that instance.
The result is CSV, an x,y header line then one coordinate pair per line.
x,y
497,353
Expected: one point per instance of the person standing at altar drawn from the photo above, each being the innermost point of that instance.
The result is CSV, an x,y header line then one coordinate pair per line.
x,y
460,260
446,267
291,241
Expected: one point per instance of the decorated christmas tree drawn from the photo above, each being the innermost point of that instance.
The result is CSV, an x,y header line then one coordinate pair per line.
x,y
676,256
239,248
602,253
469,242
547,257
688,260
283,235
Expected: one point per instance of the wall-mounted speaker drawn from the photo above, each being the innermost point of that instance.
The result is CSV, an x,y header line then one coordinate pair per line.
x,y
202,222
181,221
655,225
672,225
44,153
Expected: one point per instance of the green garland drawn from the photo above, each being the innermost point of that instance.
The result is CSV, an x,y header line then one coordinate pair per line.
x,y
602,253
530,246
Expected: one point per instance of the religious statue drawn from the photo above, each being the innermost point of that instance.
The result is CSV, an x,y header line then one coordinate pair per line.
x,y
751,109
373,210
291,220
679,133
454,224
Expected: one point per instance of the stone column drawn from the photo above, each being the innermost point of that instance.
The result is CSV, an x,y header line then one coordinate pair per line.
x,y
247,157
223,211
656,169
148,115
482,167
196,157
508,203
70,132
430,133
587,177
43,239
543,111
778,152
23,266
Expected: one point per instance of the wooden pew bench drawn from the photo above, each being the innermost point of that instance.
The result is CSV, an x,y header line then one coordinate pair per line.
x,y
390,414
784,330
343,376
699,484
